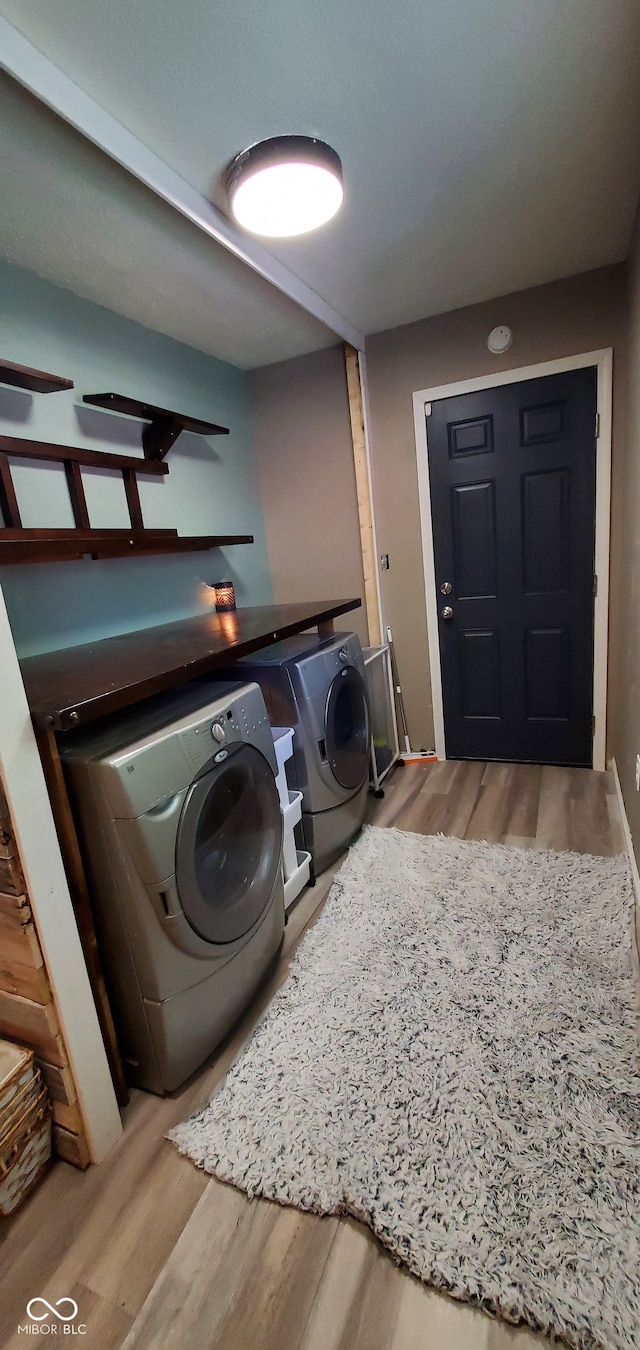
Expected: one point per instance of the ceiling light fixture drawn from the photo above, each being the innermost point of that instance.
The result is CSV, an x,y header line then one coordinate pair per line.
x,y
284,186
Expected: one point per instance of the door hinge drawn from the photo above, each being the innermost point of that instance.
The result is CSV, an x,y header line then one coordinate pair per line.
x,y
597,425
427,410
595,583
593,727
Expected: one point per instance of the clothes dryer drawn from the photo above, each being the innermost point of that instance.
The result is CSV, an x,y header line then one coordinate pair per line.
x,y
181,828
316,685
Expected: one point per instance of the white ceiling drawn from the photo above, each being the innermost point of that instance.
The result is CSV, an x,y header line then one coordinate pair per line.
x,y
488,145
76,218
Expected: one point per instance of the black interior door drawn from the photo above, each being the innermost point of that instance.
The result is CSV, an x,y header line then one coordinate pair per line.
x,y
512,474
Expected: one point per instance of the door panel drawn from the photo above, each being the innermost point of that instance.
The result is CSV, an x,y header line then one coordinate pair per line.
x,y
548,422
473,523
479,655
474,437
546,526
547,673
512,474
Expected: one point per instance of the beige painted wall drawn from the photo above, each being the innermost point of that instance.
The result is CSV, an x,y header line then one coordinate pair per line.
x,y
305,464
307,483
625,740
580,314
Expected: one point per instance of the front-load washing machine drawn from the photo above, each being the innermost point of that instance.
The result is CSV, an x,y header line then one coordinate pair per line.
x,y
182,834
316,685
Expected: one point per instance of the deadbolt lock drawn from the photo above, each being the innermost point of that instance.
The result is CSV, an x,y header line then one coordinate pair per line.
x,y
446,588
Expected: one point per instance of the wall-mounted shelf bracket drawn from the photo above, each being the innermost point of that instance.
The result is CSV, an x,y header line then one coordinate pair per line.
x,y
165,425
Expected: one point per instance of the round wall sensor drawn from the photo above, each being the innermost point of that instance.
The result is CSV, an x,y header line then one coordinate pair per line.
x,y
499,339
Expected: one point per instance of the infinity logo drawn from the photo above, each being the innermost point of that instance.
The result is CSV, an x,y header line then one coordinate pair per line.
x,y
62,1317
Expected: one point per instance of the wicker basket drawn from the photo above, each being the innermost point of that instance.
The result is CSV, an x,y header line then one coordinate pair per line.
x,y
25,1126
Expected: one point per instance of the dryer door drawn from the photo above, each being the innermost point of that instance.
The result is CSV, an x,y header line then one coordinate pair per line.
x,y
228,846
347,733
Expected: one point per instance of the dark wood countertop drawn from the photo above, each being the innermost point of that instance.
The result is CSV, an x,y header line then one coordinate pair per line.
x,y
68,688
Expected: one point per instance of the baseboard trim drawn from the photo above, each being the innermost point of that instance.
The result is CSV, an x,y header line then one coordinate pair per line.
x,y
635,873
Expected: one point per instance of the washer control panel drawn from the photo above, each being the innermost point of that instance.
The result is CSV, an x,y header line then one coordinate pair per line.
x,y
154,753
240,716
196,741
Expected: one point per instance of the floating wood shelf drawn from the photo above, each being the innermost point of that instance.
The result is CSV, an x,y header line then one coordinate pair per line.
x,y
165,427
68,688
24,546
24,377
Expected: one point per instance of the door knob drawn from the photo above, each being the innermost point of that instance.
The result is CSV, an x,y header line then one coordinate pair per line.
x,y
446,588
446,612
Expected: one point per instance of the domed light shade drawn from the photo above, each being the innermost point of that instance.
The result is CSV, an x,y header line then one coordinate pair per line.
x,y
284,186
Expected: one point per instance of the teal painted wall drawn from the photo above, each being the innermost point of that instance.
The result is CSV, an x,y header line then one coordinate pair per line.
x,y
211,487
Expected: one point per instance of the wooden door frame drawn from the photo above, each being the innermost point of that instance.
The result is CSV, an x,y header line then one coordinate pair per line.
x,y
603,361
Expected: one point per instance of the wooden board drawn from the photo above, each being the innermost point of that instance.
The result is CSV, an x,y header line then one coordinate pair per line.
x,y
4,812
21,968
68,1116
20,946
100,544
71,1147
32,1024
20,448
21,965
59,1081
11,878
15,911
363,490
70,687
25,377
135,407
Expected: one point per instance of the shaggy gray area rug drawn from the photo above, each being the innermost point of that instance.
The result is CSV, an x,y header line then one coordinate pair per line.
x,y
453,1060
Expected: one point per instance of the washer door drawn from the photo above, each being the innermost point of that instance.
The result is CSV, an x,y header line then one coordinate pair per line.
x,y
228,846
347,729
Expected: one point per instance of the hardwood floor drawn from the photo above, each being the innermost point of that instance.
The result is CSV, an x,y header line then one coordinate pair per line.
x,y
158,1255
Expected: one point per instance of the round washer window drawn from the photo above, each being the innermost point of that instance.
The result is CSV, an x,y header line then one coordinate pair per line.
x,y
228,846
347,729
